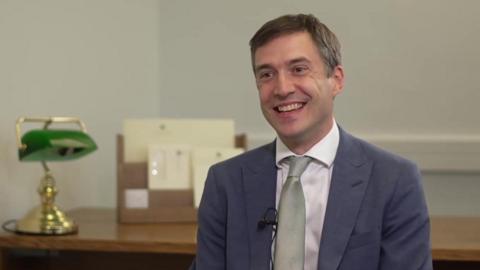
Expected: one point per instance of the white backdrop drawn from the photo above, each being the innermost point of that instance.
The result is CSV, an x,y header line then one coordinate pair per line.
x,y
412,81
98,60
411,67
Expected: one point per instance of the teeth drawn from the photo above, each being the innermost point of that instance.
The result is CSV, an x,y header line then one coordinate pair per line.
x,y
290,107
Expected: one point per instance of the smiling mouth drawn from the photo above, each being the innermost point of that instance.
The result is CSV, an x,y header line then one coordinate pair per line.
x,y
289,107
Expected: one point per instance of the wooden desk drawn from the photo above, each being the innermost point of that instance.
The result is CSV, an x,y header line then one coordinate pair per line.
x,y
101,241
456,242
105,244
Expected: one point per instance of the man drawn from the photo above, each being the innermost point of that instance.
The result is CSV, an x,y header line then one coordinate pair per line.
x,y
355,206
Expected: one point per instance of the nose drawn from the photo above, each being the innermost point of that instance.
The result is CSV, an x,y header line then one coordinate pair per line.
x,y
284,85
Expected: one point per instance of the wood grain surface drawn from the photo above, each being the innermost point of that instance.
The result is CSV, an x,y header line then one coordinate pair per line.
x,y
456,238
99,231
453,238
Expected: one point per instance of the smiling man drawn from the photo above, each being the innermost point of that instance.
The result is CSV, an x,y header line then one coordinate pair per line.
x,y
296,92
316,198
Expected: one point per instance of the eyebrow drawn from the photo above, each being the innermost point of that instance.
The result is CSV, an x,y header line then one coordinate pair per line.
x,y
290,62
298,60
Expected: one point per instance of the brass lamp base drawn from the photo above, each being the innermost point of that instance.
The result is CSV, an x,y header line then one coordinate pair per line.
x,y
46,222
46,219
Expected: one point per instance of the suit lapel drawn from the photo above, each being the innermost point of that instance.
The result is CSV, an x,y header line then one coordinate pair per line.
x,y
349,180
259,184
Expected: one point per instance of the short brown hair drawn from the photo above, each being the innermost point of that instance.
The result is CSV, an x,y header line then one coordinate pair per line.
x,y
327,43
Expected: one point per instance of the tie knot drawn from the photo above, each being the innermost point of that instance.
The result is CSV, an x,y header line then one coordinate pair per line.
x,y
298,165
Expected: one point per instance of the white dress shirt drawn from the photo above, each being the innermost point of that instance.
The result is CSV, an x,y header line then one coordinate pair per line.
x,y
316,185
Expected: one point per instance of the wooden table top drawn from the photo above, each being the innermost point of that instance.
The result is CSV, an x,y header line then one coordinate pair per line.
x,y
453,238
99,231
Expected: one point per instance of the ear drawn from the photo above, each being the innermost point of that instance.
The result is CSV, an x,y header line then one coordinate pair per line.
x,y
338,80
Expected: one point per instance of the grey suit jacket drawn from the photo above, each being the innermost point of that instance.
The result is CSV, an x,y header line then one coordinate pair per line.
x,y
376,215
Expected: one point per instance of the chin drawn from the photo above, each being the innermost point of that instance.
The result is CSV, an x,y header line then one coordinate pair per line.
x,y
290,135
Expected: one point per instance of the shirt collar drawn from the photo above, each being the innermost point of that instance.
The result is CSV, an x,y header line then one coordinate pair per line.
x,y
323,151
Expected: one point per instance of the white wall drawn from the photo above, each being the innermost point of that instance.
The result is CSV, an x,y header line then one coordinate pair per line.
x,y
95,59
411,66
411,69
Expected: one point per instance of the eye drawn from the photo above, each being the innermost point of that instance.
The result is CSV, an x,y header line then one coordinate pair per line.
x,y
300,69
264,75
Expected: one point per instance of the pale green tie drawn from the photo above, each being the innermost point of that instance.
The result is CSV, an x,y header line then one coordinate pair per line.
x,y
290,239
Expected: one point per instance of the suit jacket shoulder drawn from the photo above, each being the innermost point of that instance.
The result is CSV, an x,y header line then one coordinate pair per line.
x,y
378,199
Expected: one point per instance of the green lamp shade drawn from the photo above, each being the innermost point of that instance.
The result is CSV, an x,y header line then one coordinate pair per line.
x,y
55,145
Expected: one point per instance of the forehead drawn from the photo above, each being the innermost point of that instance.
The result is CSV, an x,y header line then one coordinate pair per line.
x,y
284,48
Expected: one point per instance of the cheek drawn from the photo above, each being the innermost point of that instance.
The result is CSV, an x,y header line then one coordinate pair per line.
x,y
323,90
264,95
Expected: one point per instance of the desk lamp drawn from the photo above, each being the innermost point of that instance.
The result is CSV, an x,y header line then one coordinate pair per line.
x,y
50,145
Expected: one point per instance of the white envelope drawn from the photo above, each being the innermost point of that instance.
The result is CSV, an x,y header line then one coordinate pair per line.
x,y
136,198
139,133
169,167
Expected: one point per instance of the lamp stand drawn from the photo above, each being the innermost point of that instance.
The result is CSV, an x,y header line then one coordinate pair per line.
x,y
46,219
